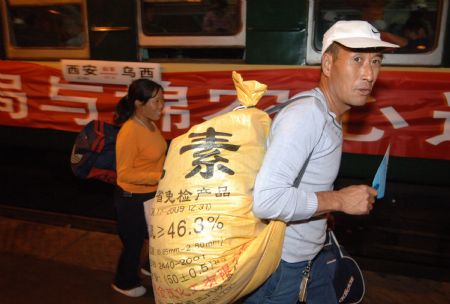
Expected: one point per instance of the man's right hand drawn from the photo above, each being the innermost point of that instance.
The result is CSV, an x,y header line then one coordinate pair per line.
x,y
355,200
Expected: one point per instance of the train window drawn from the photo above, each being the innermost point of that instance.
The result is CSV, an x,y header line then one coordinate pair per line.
x,y
45,29
177,29
416,26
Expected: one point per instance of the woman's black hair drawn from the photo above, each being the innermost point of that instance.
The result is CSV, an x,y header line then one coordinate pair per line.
x,y
140,89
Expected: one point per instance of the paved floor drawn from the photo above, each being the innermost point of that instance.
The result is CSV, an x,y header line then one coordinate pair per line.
x,y
46,264
26,279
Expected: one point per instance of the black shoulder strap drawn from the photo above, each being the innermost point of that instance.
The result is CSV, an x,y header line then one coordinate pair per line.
x,y
280,106
276,109
302,171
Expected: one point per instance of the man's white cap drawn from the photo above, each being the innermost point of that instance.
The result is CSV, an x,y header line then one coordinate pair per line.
x,y
355,34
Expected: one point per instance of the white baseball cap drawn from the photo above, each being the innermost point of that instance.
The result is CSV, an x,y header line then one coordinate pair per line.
x,y
354,34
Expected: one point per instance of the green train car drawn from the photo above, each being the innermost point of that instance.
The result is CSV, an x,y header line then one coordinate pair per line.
x,y
408,231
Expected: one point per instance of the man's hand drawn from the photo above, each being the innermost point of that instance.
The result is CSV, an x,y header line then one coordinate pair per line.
x,y
357,200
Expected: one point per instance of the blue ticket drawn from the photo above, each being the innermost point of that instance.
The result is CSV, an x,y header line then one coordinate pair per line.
x,y
379,181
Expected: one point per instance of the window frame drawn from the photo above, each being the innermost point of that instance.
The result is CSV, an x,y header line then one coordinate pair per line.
x,y
237,40
432,58
13,52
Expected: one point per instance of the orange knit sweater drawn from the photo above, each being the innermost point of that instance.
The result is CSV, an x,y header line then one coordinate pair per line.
x,y
140,155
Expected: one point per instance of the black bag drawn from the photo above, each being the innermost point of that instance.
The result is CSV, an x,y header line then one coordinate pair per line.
x,y
347,277
94,152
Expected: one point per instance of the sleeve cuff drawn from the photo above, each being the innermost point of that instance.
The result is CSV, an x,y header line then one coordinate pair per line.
x,y
311,204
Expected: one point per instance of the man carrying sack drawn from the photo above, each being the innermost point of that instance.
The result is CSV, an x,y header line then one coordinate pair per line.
x,y
307,135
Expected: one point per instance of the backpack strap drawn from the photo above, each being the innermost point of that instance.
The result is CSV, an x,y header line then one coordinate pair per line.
x,y
276,109
99,142
280,106
302,171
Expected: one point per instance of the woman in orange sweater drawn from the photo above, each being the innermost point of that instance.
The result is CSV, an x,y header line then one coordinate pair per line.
x,y
140,155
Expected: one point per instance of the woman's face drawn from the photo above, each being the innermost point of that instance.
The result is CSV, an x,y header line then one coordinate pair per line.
x,y
153,108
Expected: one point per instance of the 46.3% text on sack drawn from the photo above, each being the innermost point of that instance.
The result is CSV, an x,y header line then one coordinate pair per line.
x,y
181,228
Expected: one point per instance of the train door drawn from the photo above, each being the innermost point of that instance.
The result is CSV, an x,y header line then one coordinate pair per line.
x,y
276,32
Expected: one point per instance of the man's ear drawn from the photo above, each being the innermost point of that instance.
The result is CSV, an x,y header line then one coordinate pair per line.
x,y
327,61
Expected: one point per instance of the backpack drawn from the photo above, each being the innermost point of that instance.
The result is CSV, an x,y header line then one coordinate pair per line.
x,y
94,152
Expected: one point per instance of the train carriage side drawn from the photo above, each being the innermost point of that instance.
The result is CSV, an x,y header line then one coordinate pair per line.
x,y
408,227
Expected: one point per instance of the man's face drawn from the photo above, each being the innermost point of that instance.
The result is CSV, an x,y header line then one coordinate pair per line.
x,y
352,76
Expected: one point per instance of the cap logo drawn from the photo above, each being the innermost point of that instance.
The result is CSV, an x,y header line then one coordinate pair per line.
x,y
375,32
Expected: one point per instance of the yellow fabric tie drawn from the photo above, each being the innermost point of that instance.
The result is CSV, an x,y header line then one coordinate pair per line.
x,y
249,92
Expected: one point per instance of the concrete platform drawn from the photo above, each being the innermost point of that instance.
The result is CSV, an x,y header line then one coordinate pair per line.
x,y
47,264
26,279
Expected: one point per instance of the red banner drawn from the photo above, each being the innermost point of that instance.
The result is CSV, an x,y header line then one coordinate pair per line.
x,y
411,109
